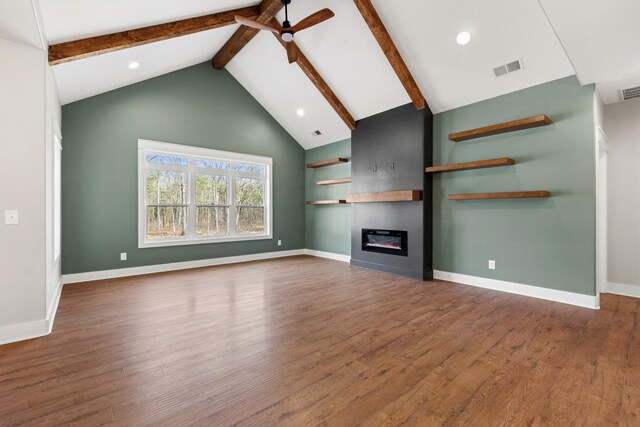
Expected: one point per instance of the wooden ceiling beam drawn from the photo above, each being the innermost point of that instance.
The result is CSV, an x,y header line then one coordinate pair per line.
x,y
389,48
92,46
324,89
244,34
319,82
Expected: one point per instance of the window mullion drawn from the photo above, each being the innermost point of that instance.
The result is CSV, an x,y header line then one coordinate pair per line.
x,y
232,200
191,209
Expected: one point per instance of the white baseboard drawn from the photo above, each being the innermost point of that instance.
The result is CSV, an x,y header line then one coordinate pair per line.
x,y
53,307
38,328
42,327
329,255
35,328
161,268
580,300
622,289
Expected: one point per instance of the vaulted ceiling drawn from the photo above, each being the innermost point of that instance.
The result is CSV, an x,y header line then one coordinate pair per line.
x,y
601,38
342,50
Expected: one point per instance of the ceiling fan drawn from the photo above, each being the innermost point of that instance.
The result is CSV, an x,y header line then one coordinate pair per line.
x,y
286,32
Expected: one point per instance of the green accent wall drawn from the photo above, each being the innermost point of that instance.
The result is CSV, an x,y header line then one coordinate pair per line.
x,y
195,106
541,242
328,228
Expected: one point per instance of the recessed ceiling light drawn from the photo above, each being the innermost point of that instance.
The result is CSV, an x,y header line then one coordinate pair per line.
x,y
463,38
133,65
300,112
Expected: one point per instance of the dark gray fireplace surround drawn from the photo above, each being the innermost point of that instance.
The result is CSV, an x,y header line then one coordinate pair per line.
x,y
389,152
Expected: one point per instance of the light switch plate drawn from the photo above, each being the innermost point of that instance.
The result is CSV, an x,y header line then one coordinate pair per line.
x,y
11,217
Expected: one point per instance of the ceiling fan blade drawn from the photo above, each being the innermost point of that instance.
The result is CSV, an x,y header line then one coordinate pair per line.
x,y
313,19
292,54
255,24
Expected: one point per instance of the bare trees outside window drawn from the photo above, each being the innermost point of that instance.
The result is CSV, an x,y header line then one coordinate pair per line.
x,y
199,195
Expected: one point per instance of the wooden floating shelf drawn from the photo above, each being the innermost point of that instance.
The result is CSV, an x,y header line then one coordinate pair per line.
x,y
326,202
334,181
328,162
515,125
507,195
503,161
386,196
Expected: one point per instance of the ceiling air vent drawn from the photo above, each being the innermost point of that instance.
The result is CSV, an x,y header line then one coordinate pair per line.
x,y
632,92
500,71
511,67
316,133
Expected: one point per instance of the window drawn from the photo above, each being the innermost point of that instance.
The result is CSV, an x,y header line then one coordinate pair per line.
x,y
190,195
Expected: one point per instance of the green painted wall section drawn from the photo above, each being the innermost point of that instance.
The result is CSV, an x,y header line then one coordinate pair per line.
x,y
195,106
548,242
328,228
542,242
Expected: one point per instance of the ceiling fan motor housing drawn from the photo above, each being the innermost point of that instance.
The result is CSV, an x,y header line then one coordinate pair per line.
x,y
286,35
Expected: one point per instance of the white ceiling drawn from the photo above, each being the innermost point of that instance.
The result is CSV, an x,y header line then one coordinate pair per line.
x,y
601,38
262,68
18,23
98,74
342,49
66,20
502,31
348,57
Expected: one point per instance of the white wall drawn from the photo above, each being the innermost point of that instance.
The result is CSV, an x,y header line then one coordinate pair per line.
x,y
29,106
622,125
22,178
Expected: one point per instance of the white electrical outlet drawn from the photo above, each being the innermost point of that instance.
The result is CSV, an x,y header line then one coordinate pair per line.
x,y
492,264
11,217
279,242
123,256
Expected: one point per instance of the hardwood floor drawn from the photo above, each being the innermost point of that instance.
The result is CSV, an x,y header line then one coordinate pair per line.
x,y
305,341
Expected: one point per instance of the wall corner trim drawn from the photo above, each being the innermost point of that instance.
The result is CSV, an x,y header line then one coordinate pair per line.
x,y
34,328
623,289
328,255
580,300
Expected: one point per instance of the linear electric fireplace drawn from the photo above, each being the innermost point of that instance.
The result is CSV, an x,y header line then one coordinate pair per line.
x,y
393,242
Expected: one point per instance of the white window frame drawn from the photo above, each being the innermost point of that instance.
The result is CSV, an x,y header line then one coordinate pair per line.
x,y
147,147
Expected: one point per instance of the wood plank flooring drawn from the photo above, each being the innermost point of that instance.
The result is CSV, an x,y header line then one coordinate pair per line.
x,y
304,341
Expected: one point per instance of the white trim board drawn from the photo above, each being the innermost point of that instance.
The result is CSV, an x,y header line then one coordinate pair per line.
x,y
161,268
328,255
33,329
579,300
622,289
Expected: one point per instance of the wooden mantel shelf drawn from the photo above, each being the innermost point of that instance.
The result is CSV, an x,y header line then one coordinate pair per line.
x,y
328,162
520,124
507,195
334,181
326,202
503,161
386,196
